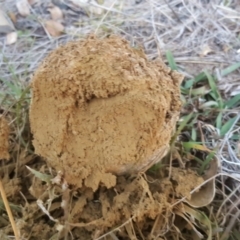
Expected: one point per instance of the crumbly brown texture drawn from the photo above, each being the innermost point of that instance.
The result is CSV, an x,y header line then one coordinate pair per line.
x,y
4,134
148,200
146,205
185,181
100,108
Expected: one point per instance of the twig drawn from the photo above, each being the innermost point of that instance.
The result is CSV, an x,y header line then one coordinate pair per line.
x,y
105,15
170,166
9,212
231,224
42,24
117,228
177,17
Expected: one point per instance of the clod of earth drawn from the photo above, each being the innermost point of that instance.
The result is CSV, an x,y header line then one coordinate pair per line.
x,y
4,134
100,108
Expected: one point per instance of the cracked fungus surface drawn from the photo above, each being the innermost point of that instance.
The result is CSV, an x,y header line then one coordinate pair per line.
x,y
100,108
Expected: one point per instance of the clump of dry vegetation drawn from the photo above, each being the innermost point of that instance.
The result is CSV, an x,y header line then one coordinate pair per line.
x,y
193,192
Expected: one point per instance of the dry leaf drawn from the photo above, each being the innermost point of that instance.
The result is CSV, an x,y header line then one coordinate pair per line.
x,y
23,7
11,38
206,50
206,193
54,28
12,17
5,24
226,48
56,13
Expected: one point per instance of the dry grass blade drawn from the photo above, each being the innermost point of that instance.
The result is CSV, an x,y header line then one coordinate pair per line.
x,y
231,223
9,212
129,221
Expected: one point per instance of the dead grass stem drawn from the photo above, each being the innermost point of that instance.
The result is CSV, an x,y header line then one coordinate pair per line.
x,y
9,212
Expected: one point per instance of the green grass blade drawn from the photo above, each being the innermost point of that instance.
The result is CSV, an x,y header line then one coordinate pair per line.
x,y
189,83
219,120
203,220
215,93
194,134
183,99
209,104
235,137
230,69
12,206
171,61
200,77
15,90
42,176
200,91
181,126
184,91
184,122
212,85
236,234
227,126
195,145
233,101
206,162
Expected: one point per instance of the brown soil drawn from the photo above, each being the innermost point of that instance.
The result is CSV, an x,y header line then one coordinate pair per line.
x,y
100,108
144,203
142,207
4,134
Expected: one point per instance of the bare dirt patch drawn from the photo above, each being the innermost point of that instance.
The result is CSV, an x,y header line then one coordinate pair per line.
x,y
144,207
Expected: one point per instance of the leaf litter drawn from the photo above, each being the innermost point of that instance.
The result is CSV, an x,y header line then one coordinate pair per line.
x,y
145,202
23,7
11,38
54,28
56,12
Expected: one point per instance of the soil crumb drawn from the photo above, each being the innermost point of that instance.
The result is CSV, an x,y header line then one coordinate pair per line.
x,y
185,183
100,109
4,134
141,207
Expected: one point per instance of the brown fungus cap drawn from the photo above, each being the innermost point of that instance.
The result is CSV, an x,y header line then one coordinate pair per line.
x,y
100,108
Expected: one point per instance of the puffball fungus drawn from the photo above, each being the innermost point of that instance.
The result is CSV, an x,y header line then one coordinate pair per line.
x,y
100,108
